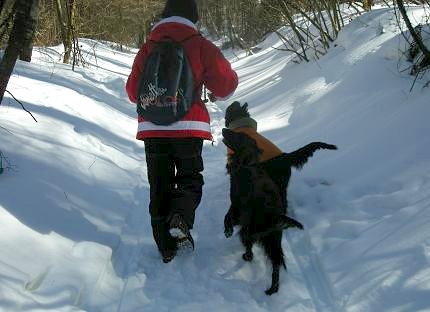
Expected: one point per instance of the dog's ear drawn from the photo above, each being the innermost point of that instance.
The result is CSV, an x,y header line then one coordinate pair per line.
x,y
247,149
245,107
225,135
225,132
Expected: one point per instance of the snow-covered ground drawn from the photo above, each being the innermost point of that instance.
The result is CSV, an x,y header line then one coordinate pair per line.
x,y
74,225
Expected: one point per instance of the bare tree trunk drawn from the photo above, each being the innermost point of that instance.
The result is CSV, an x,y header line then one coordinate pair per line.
x,y
66,18
367,5
6,22
27,51
21,36
70,37
414,34
63,29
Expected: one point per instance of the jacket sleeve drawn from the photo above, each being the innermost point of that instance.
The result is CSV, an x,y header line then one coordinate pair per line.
x,y
136,71
218,76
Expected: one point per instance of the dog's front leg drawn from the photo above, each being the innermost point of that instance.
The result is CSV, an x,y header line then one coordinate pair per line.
x,y
230,220
247,242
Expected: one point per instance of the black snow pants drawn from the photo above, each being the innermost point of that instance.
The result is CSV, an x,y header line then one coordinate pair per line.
x,y
176,183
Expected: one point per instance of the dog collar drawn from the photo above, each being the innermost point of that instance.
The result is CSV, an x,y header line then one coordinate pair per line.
x,y
243,122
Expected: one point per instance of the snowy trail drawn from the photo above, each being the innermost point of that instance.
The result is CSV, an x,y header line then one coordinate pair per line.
x,y
125,257
216,266
314,274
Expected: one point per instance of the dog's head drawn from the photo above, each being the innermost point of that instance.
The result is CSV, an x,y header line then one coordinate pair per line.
x,y
245,149
234,112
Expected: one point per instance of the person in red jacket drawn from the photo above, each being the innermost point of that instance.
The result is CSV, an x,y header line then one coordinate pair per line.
x,y
174,151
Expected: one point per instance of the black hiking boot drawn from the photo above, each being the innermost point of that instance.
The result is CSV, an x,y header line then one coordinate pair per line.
x,y
179,230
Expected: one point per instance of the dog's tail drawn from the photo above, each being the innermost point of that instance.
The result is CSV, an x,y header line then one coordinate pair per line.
x,y
299,158
283,223
287,222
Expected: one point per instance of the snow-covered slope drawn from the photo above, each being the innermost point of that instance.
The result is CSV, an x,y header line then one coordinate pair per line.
x,y
74,226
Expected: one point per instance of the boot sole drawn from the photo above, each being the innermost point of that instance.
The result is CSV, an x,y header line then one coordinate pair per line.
x,y
183,237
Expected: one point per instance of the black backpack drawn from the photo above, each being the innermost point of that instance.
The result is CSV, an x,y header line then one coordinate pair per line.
x,y
166,90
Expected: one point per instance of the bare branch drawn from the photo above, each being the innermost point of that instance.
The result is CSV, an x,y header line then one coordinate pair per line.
x,y
22,105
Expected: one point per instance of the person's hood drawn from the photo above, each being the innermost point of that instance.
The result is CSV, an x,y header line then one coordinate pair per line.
x,y
174,27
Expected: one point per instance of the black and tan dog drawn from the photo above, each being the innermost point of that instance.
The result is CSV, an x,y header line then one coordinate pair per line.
x,y
258,189
255,204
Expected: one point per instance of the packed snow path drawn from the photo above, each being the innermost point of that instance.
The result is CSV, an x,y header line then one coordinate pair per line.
x,y
317,281
216,266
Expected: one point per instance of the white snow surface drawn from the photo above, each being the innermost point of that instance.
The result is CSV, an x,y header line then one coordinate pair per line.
x,y
74,223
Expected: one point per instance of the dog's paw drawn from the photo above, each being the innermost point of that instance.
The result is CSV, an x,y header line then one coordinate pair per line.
x,y
228,232
272,290
248,256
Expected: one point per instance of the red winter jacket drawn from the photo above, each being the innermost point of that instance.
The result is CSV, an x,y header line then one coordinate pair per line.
x,y
209,68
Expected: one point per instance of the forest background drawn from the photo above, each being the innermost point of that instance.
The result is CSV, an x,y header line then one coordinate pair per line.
x,y
236,24
240,23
